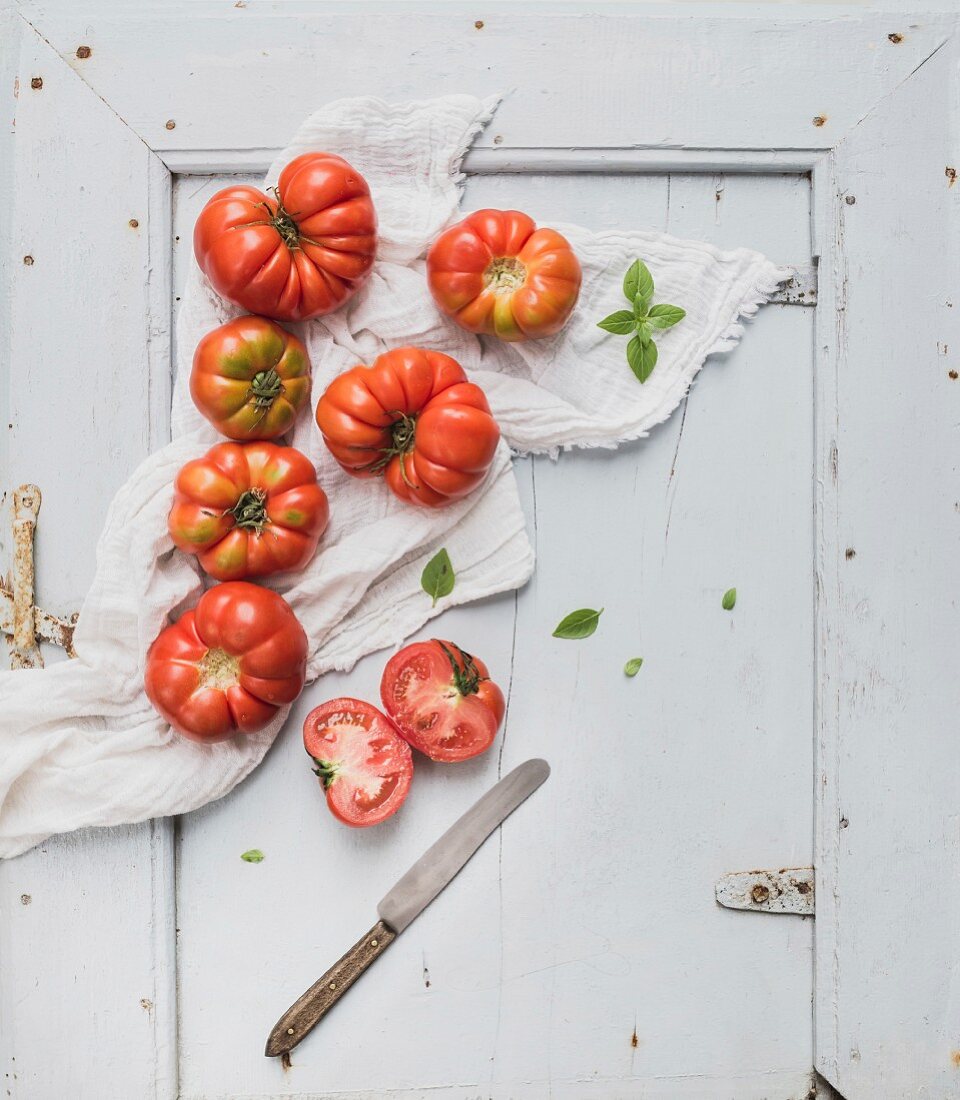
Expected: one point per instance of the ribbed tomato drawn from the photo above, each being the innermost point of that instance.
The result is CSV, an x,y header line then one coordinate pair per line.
x,y
227,666
442,700
365,766
414,418
496,273
250,378
298,253
248,510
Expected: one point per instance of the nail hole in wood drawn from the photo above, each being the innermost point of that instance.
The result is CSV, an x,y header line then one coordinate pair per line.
x,y
850,200
36,83
133,223
819,120
896,39
479,24
83,52
170,124
28,260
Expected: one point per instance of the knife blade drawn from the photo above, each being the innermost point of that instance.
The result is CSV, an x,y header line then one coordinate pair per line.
x,y
406,900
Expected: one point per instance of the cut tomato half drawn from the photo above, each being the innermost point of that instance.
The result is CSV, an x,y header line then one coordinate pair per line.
x,y
365,767
442,700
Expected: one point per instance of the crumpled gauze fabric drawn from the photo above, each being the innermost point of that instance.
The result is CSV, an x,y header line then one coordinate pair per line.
x,y
79,742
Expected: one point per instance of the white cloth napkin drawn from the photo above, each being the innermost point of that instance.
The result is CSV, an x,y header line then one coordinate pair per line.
x,y
79,742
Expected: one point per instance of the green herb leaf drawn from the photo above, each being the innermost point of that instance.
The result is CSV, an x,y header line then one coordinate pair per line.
x,y
642,358
644,333
578,624
664,316
437,578
253,856
621,322
632,667
640,308
729,599
638,283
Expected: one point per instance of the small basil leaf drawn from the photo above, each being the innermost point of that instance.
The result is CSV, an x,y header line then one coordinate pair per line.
x,y
254,855
642,358
632,667
640,308
638,282
621,322
438,578
729,599
664,316
644,333
578,624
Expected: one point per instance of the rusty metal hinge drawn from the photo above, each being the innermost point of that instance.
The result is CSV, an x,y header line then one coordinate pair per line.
x,y
25,623
789,890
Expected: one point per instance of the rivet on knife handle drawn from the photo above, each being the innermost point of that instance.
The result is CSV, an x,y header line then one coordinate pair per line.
x,y
306,1012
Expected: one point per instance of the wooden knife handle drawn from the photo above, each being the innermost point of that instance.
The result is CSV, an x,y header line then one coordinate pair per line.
x,y
305,1013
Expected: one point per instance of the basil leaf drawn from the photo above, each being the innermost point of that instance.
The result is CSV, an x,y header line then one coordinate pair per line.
x,y
253,856
644,333
438,578
638,283
642,358
640,308
632,667
729,599
664,316
621,322
578,624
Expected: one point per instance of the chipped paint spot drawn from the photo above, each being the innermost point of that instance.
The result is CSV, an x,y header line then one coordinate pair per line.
x,y
479,24
951,174
36,83
146,1004
819,120
285,1060
133,223
28,260
955,1058
170,124
896,39
83,52
952,374
850,553
634,1041
25,899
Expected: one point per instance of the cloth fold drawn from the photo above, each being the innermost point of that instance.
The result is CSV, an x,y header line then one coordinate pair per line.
x,y
80,744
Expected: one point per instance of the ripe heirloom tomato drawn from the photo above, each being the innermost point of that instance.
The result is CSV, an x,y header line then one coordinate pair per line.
x,y
298,254
365,766
414,418
248,510
250,378
227,666
496,273
442,700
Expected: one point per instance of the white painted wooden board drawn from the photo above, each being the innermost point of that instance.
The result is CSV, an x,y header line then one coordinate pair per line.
x,y
790,451
593,916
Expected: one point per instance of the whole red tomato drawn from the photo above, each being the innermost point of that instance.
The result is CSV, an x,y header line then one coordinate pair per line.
x,y
248,510
229,665
250,378
496,273
364,766
299,253
442,700
414,418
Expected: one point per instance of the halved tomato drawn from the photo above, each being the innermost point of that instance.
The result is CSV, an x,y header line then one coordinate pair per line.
x,y
364,765
442,700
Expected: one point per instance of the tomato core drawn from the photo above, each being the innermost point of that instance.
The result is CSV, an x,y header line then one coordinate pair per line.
x,y
504,273
250,511
218,670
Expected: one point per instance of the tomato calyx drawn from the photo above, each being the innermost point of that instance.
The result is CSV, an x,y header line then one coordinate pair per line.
x,y
403,435
218,670
265,387
504,274
466,680
326,770
250,511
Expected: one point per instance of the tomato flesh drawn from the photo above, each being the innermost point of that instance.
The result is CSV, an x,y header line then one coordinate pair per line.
x,y
363,764
442,700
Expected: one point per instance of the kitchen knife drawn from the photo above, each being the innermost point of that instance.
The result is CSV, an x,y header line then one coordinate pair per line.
x,y
408,898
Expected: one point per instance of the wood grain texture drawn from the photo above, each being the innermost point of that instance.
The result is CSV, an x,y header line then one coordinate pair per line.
x,y
85,977
888,1015
310,1008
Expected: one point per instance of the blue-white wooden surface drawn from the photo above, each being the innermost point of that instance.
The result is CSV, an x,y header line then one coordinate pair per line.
x,y
581,954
